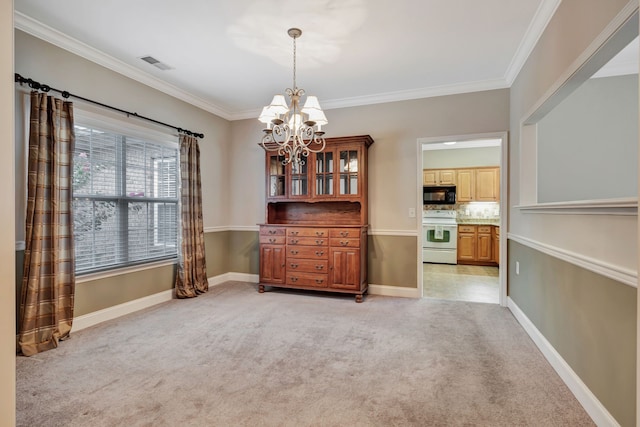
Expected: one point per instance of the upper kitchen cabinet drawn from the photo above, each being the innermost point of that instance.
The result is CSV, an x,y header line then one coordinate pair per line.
x,y
487,185
478,185
435,177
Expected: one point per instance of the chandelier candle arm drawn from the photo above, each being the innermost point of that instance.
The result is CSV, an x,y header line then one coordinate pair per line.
x,y
291,131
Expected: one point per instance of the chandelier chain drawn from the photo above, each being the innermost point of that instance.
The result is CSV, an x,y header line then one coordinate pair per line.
x,y
294,63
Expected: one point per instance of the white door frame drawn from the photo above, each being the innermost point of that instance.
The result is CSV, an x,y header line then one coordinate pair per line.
x,y
504,205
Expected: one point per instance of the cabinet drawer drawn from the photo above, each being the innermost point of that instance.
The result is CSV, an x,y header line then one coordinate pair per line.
x,y
308,279
307,232
307,241
345,243
467,228
307,265
272,240
344,233
485,229
308,252
272,231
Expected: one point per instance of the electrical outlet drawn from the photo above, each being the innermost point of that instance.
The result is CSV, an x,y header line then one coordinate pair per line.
x,y
412,212
517,267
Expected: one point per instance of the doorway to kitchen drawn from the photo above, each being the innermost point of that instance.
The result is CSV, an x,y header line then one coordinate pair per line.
x,y
461,193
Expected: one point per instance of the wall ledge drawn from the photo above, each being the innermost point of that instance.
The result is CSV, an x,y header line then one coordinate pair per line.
x,y
587,399
620,206
617,273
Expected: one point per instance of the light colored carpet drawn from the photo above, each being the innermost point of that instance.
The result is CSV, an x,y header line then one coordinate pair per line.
x,y
234,357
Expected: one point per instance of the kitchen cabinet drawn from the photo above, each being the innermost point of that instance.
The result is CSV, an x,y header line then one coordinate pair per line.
x,y
466,179
478,185
437,177
476,244
484,242
466,243
487,185
315,232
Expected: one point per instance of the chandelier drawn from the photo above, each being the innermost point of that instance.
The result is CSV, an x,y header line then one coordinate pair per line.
x,y
292,131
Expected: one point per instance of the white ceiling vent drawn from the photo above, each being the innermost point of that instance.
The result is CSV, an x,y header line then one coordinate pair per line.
x,y
153,61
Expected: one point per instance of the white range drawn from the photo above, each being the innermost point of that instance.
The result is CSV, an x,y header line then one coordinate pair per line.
x,y
439,236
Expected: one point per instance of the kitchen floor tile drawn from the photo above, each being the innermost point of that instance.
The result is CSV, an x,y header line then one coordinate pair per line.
x,y
461,282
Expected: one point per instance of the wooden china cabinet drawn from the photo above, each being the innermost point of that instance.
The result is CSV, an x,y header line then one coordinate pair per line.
x,y
315,233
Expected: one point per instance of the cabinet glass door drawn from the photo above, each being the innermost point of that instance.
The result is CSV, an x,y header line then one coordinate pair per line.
x,y
276,176
299,179
324,173
349,172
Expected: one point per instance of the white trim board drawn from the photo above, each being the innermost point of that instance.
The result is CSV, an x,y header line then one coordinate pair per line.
x,y
587,399
617,273
110,313
394,291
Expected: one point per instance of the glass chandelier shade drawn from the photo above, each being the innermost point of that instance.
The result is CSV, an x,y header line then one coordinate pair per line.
x,y
292,131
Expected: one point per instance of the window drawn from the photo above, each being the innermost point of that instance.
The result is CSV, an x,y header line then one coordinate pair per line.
x,y
125,199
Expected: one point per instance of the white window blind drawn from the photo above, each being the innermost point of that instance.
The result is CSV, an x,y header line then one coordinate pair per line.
x,y
125,200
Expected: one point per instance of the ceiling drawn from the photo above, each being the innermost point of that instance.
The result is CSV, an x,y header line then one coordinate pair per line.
x,y
231,57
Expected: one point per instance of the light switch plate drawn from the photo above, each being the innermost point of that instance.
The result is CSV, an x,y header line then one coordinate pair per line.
x,y
412,212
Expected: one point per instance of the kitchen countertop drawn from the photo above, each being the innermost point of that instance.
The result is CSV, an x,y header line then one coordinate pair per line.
x,y
479,221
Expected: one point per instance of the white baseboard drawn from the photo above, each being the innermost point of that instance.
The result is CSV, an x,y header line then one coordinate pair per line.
x,y
587,399
233,277
91,319
394,291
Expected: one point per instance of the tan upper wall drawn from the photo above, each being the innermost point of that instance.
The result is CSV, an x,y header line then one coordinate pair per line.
x,y
49,64
7,240
573,28
393,158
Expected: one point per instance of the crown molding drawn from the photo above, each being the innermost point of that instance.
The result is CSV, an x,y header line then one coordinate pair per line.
x,y
38,29
397,96
538,24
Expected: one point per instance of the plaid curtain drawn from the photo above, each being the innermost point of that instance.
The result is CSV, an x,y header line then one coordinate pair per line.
x,y
48,284
191,279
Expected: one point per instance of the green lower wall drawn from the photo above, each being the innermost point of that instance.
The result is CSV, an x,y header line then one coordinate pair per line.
x,y
216,246
589,319
103,293
393,261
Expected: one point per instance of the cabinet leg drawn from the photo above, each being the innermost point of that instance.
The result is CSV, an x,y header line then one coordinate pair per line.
x,y
359,298
261,289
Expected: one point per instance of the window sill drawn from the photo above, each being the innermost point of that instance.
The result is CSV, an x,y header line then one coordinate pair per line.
x,y
90,277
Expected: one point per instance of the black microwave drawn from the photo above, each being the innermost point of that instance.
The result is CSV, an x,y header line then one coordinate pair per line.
x,y
439,195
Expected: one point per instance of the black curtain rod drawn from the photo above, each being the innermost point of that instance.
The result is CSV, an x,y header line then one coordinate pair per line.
x,y
46,88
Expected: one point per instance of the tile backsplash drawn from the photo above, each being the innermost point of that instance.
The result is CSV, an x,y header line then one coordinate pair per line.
x,y
470,211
